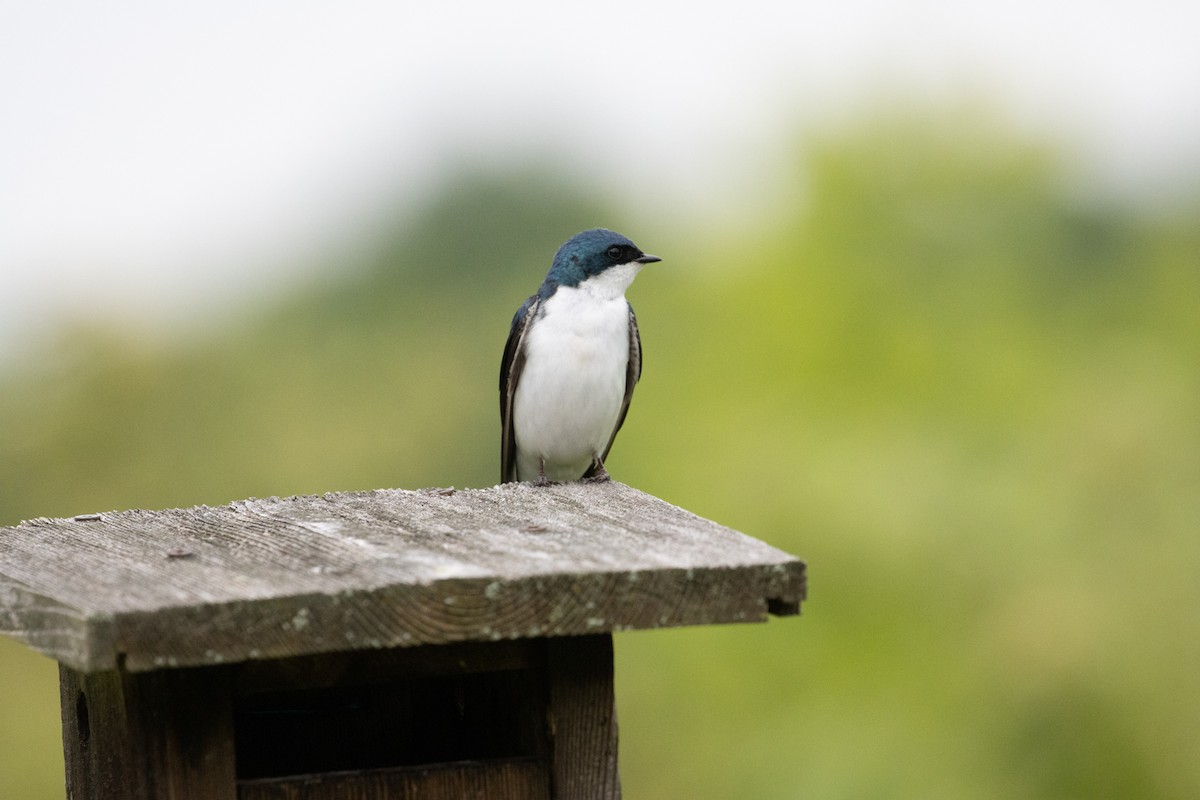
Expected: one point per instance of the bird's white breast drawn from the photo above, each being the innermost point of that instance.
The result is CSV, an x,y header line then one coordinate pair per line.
x,y
573,385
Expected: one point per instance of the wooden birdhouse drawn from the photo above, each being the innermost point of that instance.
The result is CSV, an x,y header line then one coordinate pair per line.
x,y
383,644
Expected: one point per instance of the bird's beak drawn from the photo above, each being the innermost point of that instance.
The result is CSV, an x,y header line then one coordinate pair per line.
x,y
647,259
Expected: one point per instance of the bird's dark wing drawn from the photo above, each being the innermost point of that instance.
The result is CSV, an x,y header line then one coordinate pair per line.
x,y
633,373
511,367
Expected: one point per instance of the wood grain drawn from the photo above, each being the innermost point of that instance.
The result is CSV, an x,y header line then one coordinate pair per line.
x,y
516,779
165,734
583,718
267,579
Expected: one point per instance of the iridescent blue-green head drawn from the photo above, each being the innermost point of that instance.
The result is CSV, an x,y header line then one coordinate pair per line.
x,y
591,253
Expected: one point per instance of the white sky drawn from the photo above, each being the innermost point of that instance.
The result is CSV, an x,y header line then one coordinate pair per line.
x,y
155,156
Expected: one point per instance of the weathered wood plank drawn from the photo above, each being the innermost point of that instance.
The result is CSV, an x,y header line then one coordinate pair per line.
x,y
103,756
166,734
583,718
515,779
266,579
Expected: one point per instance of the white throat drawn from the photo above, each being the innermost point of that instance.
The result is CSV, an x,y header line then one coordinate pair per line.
x,y
612,283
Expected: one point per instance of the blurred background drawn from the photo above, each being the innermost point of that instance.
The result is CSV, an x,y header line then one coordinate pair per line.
x,y
928,317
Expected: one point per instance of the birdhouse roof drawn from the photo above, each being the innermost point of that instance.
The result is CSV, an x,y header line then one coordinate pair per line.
x,y
266,579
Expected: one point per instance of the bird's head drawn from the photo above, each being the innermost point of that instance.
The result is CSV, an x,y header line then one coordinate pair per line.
x,y
592,253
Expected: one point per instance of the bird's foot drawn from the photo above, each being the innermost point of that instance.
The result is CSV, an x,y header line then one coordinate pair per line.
x,y
599,474
542,480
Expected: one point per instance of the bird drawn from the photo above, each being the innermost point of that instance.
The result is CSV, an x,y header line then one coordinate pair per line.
x,y
571,361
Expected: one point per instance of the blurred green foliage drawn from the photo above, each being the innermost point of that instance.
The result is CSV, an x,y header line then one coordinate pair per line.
x,y
965,393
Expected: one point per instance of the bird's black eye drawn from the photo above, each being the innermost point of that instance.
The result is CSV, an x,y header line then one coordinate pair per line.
x,y
614,252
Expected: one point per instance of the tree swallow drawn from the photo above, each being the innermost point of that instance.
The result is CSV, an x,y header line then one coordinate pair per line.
x,y
570,364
